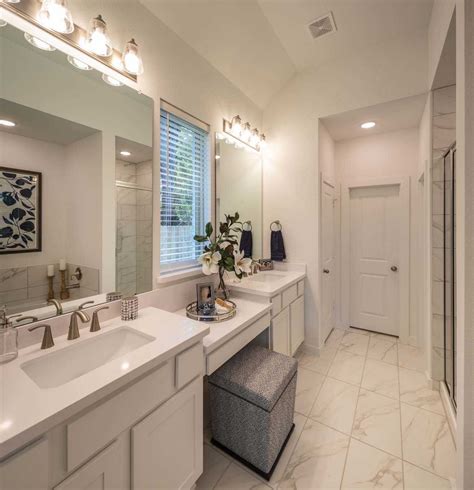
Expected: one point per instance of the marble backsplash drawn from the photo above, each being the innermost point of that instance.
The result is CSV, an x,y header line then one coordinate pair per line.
x,y
25,288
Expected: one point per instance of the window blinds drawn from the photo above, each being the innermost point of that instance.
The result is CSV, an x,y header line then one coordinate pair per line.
x,y
185,190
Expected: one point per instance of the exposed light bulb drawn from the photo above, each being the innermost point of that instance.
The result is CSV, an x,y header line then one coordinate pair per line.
x,y
55,15
13,1
38,43
7,123
255,137
246,132
218,157
125,153
367,125
131,59
78,63
98,41
236,125
111,81
263,142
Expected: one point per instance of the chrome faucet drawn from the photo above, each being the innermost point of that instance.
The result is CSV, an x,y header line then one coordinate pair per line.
x,y
47,341
57,304
73,332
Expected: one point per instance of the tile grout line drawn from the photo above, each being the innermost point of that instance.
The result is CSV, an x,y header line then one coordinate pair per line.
x,y
353,417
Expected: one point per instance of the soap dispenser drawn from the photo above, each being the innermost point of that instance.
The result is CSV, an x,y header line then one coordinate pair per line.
x,y
8,338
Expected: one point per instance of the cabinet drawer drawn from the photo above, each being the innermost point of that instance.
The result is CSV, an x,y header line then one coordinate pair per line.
x,y
27,469
301,288
189,364
96,428
276,304
289,295
225,352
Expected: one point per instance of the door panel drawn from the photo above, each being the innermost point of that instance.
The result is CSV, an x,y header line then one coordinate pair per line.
x,y
328,250
375,214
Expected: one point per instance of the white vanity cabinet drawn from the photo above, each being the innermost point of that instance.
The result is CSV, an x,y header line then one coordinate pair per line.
x,y
146,435
287,327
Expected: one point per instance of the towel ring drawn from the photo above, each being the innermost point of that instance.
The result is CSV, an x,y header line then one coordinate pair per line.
x,y
249,224
277,223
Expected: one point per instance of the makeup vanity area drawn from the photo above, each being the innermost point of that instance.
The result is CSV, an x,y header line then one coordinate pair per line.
x,y
121,407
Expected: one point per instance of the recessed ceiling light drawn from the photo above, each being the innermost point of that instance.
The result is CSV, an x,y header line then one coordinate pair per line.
x,y
125,153
7,123
367,125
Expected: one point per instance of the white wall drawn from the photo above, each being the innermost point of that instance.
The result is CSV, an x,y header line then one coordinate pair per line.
x,y
173,72
393,154
49,159
291,169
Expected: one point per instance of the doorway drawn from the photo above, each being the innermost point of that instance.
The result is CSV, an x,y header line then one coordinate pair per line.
x,y
375,256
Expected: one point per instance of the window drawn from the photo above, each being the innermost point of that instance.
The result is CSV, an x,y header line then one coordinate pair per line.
x,y
185,185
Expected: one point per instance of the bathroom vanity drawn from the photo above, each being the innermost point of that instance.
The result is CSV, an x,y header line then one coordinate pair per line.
x,y
122,406
283,289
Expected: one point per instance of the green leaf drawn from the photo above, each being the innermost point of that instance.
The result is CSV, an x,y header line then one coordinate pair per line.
x,y
200,238
209,229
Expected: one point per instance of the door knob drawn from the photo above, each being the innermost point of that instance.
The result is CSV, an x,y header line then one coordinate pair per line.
x,y
326,271
394,268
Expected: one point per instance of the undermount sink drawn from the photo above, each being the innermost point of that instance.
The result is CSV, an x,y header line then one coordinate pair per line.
x,y
266,277
69,363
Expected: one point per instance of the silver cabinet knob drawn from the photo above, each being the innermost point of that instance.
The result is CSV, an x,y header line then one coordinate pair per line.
x,y
394,268
326,271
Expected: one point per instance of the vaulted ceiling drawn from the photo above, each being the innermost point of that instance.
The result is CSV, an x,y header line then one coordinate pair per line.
x,y
260,44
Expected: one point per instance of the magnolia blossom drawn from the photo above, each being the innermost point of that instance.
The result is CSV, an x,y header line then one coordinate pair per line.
x,y
240,263
210,262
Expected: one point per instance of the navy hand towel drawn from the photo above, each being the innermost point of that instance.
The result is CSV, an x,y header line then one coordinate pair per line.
x,y
277,246
246,243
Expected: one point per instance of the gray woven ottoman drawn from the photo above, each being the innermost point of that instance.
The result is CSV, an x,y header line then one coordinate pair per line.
x,y
252,398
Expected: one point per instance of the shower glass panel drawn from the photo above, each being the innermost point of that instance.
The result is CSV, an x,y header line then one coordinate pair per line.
x,y
450,272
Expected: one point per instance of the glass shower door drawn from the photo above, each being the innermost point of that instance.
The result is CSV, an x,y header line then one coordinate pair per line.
x,y
450,272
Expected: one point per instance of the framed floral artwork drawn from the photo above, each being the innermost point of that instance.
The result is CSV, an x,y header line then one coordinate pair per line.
x,y
20,211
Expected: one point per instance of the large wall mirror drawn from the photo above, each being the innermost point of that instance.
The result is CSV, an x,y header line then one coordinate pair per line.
x,y
239,187
75,184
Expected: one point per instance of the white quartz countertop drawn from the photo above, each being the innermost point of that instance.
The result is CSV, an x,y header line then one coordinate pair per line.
x,y
27,411
268,283
247,312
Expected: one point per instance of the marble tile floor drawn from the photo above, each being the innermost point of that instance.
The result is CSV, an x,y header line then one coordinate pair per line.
x,y
365,418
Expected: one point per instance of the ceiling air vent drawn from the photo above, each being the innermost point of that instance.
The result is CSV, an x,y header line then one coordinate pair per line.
x,y
322,26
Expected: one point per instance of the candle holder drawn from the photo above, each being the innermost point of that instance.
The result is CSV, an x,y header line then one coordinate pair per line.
x,y
50,287
64,294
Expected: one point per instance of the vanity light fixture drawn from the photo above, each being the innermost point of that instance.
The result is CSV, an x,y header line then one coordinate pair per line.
x,y
125,153
78,63
7,123
55,15
236,125
367,125
241,135
131,59
263,142
38,43
98,41
111,81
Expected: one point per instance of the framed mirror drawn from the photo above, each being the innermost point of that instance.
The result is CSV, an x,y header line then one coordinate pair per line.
x,y
76,171
239,188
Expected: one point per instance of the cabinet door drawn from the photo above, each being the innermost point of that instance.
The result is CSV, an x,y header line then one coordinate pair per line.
x,y
296,324
280,332
26,470
167,445
101,473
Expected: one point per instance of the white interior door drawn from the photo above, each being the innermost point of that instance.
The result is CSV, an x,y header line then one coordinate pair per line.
x,y
328,262
375,242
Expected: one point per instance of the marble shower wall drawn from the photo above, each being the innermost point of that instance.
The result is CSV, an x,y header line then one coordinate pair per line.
x,y
26,288
444,134
134,228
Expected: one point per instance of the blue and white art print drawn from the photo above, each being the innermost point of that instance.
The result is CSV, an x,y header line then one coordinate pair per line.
x,y
20,211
